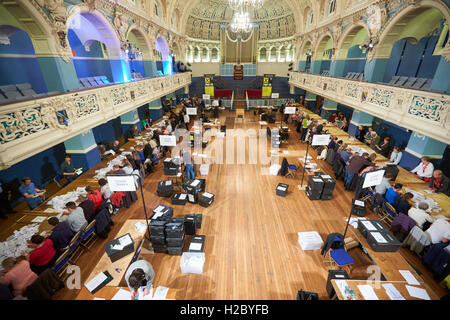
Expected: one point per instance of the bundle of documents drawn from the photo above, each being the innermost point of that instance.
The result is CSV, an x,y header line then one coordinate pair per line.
x,y
59,202
16,243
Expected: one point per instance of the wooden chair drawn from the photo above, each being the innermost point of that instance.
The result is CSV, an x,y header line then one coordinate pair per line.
x,y
61,264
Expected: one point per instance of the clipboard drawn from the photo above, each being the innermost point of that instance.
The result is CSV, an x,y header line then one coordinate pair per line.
x,y
108,279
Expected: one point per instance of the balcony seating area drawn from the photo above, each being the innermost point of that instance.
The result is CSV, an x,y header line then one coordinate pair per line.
x,y
14,92
355,76
92,82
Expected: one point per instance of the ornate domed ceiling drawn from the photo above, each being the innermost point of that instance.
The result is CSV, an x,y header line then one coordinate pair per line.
x,y
275,19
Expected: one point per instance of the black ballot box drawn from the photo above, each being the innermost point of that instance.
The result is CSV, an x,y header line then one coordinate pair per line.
x,y
198,217
162,213
189,224
358,208
369,225
157,240
312,195
175,242
171,171
282,189
315,183
197,243
174,230
179,199
328,187
192,197
192,186
382,241
175,251
165,188
159,248
206,199
120,247
171,166
157,227
335,275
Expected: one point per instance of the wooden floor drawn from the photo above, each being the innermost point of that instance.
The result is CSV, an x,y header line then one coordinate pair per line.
x,y
251,235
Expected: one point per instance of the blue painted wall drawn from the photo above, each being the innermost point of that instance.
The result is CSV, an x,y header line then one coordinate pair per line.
x,y
15,70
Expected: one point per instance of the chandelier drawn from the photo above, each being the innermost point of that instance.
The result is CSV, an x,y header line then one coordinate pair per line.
x,y
241,22
238,4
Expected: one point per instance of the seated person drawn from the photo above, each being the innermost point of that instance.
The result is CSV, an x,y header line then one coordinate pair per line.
x,y
439,183
401,203
140,275
116,146
88,208
101,149
117,170
383,148
396,156
95,196
76,218
375,140
368,136
384,185
419,215
439,231
43,256
104,189
127,167
67,168
323,154
61,234
392,193
18,274
133,132
31,193
424,169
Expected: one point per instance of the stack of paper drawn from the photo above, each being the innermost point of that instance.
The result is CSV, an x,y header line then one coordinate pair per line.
x,y
17,242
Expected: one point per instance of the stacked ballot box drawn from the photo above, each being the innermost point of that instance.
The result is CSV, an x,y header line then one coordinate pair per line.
x,y
192,222
175,237
165,188
314,187
310,240
171,166
162,213
193,187
197,243
275,138
328,186
206,199
282,189
358,208
379,238
179,199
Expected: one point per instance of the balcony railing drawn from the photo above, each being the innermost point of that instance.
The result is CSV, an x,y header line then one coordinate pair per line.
x,y
424,112
31,126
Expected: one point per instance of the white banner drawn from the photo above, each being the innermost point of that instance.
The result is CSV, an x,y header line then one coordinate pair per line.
x,y
373,178
289,110
169,141
206,97
121,183
275,95
191,111
320,139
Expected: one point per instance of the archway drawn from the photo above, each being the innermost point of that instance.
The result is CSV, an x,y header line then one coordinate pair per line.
x,y
321,59
262,54
96,47
164,66
304,58
138,52
351,55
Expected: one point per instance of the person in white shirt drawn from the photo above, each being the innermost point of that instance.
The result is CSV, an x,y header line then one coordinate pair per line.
x,y
396,156
76,218
187,120
424,169
384,185
439,231
419,215
323,154
105,190
127,167
169,127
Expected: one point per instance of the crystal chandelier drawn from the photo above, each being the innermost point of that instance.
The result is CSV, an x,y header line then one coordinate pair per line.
x,y
238,4
241,22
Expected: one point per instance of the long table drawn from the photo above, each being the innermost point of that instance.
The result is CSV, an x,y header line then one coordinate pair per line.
x,y
107,293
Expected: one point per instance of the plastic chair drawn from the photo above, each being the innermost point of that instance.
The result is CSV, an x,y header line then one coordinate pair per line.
x,y
393,80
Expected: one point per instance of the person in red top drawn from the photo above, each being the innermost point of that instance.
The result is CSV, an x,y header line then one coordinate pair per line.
x,y
18,274
95,196
43,256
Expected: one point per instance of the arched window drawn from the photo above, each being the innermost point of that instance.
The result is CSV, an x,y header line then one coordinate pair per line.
x,y
273,54
282,56
331,7
173,20
215,55
196,54
157,9
205,54
289,53
309,17
263,54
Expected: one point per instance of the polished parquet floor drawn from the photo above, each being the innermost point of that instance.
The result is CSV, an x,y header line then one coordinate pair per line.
x,y
251,234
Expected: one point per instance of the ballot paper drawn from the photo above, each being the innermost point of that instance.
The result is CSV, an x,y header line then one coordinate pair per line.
x,y
157,215
392,292
354,221
358,202
369,226
378,237
195,183
409,277
159,208
208,195
122,295
140,227
418,293
39,219
17,242
367,292
195,246
96,281
344,290
125,240
182,196
168,182
286,152
160,293
281,188
147,296
50,210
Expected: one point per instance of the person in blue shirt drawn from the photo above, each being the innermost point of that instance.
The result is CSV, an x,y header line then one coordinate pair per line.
x,y
392,193
31,193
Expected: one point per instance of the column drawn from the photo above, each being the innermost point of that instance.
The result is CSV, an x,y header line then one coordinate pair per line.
x,y
120,70
310,100
359,118
128,120
150,68
337,68
329,106
155,108
105,132
375,69
84,150
58,74
315,66
418,146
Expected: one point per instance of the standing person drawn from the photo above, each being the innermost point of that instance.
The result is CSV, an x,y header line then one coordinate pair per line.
x,y
5,205
355,165
396,156
424,169
187,120
18,274
140,276
31,193
101,149
67,168
189,164
305,124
